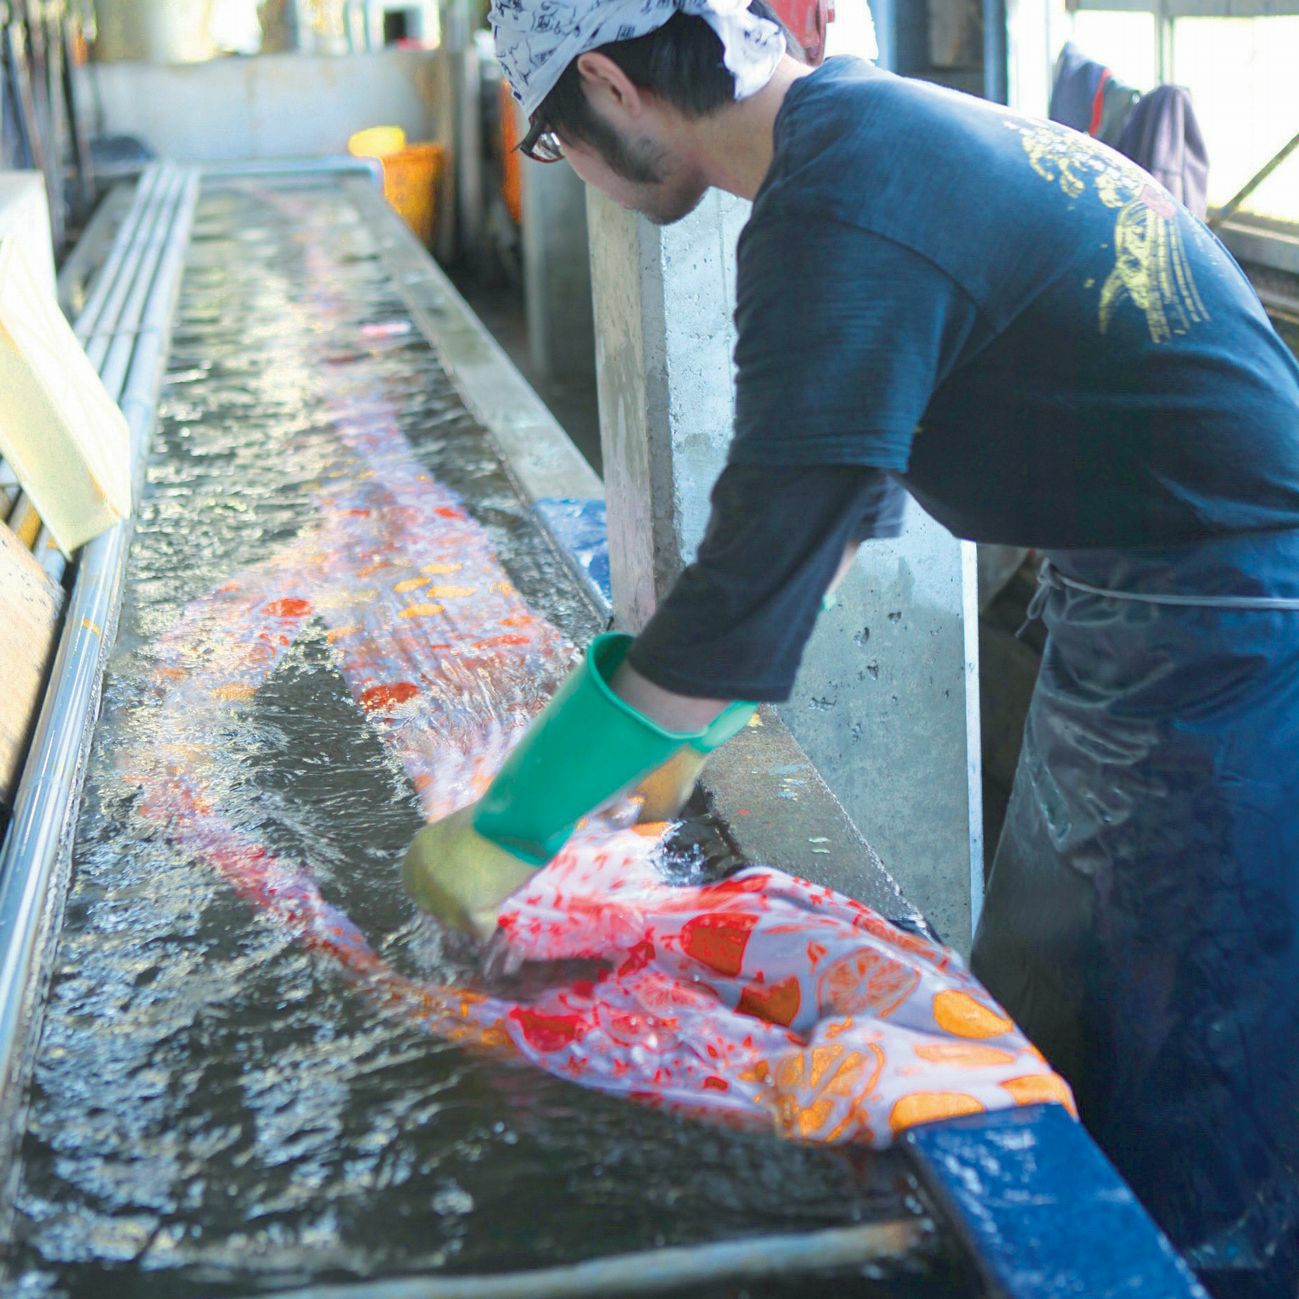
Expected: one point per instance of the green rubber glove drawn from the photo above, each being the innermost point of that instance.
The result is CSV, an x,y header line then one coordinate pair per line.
x,y
586,746
666,790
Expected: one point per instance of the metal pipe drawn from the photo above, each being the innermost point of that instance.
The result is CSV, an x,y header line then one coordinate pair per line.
x,y
139,398
88,320
150,234
47,795
50,557
24,522
330,166
96,338
125,338
9,490
661,1270
996,71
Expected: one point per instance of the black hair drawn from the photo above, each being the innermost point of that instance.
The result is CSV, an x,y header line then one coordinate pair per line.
x,y
682,62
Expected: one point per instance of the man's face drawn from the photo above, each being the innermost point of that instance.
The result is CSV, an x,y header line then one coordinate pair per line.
x,y
642,174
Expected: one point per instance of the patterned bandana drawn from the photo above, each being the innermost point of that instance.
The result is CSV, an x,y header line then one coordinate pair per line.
x,y
537,39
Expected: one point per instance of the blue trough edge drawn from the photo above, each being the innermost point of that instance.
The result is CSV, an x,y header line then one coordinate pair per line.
x,y
579,527
1042,1211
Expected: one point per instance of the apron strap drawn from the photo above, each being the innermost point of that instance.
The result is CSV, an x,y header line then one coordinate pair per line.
x,y
1050,578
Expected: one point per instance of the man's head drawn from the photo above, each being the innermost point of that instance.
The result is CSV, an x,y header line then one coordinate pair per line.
x,y
610,85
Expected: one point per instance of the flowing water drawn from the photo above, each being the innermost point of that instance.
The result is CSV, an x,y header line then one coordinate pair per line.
x,y
217,1108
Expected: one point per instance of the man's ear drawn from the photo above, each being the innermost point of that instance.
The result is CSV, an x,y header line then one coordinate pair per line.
x,y
608,88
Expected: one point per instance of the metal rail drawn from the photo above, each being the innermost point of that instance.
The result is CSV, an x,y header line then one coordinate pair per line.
x,y
147,223
107,282
330,166
143,241
43,808
659,1271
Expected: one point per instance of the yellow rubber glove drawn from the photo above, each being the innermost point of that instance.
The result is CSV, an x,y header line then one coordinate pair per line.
x,y
461,877
667,789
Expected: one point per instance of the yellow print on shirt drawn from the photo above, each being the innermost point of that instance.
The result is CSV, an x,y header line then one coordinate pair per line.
x,y
1151,269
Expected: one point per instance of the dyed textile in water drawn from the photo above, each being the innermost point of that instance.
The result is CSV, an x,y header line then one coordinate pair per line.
x,y
761,1000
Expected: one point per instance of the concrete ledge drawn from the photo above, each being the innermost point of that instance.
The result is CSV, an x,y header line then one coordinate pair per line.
x,y
771,802
541,458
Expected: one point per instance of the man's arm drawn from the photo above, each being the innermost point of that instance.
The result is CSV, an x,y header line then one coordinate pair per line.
x,y
683,712
736,622
733,627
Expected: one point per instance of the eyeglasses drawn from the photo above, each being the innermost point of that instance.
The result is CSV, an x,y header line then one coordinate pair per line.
x,y
541,145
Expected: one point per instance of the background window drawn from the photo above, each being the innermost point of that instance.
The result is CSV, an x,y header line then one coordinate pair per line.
x,y
1126,42
1243,74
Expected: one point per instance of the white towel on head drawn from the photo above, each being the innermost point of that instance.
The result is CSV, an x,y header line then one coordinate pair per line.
x,y
537,39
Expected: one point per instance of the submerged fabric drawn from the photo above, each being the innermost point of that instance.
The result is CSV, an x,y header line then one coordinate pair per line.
x,y
762,1000
1142,920
1014,318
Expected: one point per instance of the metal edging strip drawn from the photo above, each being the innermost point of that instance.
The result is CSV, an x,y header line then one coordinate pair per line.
x,y
1041,1211
38,830
333,165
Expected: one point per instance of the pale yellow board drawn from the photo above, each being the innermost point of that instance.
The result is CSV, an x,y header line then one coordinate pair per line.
x,y
61,432
25,214
30,605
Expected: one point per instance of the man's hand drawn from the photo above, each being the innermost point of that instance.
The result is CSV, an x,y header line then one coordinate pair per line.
x,y
462,878
588,744
667,789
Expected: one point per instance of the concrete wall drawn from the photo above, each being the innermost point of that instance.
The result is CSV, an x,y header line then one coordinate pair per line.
x,y
664,339
887,706
887,703
270,106
557,273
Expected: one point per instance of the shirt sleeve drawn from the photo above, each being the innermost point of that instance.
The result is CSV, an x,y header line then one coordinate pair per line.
x,y
843,336
735,623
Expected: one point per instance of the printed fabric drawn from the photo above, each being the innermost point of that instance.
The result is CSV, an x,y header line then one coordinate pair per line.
x,y
761,1000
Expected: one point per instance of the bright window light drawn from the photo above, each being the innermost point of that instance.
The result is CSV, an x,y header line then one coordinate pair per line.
x,y
1125,42
1241,73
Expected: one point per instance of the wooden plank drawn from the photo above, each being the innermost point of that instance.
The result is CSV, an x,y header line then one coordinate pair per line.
x,y
30,608
25,216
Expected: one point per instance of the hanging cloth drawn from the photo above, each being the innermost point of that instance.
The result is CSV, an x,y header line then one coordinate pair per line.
x,y
1162,135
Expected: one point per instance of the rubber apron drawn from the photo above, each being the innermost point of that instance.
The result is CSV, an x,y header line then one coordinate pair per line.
x,y
1142,916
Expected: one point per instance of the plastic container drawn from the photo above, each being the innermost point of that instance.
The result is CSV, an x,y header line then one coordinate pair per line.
x,y
376,142
410,184
410,174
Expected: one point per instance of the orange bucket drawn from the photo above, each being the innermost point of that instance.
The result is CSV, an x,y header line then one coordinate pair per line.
x,y
410,184
411,173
